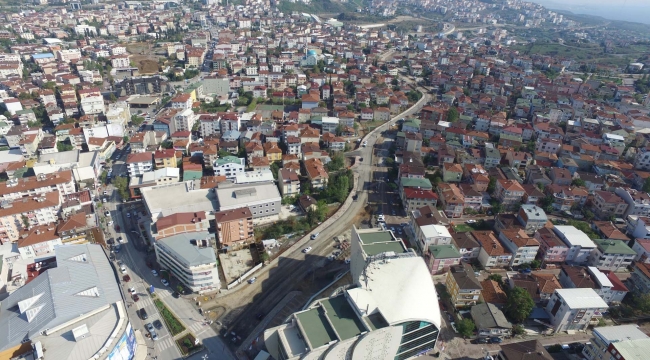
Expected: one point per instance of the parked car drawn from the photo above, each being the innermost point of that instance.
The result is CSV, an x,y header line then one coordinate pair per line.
x,y
151,331
132,290
495,340
143,314
126,278
135,297
453,326
314,236
164,282
157,324
252,280
481,340
154,272
306,250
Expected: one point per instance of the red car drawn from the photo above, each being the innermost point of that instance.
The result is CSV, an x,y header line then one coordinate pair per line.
x,y
126,278
135,297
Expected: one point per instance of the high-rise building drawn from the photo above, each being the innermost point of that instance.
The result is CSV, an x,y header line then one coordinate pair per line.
x,y
390,312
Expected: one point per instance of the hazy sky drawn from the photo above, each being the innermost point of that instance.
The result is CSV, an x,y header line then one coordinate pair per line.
x,y
629,10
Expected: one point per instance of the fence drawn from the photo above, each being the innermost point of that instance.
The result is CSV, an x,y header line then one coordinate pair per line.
x,y
244,276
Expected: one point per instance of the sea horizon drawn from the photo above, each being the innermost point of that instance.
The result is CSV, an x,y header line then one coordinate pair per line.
x,y
617,10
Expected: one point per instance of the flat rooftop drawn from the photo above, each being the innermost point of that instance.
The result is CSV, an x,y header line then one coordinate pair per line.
x,y
341,315
375,237
378,248
235,263
316,328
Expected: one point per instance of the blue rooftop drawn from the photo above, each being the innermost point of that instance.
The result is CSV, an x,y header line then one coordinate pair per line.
x,y
43,56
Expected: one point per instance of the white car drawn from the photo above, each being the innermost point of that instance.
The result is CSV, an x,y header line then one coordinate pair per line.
x,y
108,213
306,250
132,290
154,272
470,221
110,223
164,282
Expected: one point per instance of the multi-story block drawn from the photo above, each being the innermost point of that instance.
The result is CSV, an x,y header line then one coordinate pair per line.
x,y
463,286
182,102
427,235
611,255
191,258
288,182
229,167
183,121
532,218
263,199
468,247
492,253
607,204
34,186
523,248
165,158
23,213
440,258
509,193
639,280
139,163
452,199
642,249
415,199
638,202
579,244
234,227
614,342
315,171
551,248
575,309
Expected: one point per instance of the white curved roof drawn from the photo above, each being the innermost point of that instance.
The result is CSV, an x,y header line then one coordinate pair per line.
x,y
400,289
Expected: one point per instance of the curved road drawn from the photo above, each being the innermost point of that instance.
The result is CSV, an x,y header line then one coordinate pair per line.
x,y
274,281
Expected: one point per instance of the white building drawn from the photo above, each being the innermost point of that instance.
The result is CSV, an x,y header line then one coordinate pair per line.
x,y
92,105
638,202
610,291
574,309
229,167
184,121
611,255
604,336
329,124
580,245
432,235
364,321
191,258
139,163
523,248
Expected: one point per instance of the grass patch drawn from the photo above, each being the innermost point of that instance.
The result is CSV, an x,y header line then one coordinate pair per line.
x,y
462,228
186,344
175,327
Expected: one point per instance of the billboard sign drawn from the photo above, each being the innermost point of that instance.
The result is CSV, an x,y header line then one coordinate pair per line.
x,y
125,347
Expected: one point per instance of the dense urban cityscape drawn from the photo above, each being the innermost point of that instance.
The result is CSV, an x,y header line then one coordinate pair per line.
x,y
322,179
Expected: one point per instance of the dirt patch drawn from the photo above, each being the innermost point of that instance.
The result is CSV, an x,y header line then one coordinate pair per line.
x,y
145,64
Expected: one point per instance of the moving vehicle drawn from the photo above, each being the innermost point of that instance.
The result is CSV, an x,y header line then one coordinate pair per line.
x,y
314,236
252,280
154,272
164,282
306,250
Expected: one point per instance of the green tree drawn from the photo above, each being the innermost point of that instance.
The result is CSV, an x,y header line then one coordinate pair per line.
x,y
337,163
519,304
518,330
137,120
496,277
497,207
578,182
122,187
535,264
492,185
641,302
275,168
112,98
64,146
452,114
465,327
25,220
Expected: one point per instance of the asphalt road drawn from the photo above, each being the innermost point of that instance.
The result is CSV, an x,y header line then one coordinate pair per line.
x,y
274,282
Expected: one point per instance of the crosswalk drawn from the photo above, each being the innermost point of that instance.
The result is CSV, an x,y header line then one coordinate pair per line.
x,y
196,326
145,301
164,343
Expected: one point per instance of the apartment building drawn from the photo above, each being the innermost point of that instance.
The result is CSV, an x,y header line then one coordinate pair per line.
x,y
183,121
613,255
428,235
532,218
607,204
552,249
263,199
463,286
139,163
523,248
605,340
452,199
229,167
288,182
165,158
638,202
191,258
38,185
575,309
509,193
18,214
579,244
492,253
234,227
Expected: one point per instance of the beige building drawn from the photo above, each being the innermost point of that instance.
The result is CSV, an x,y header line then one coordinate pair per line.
x,y
234,226
180,223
